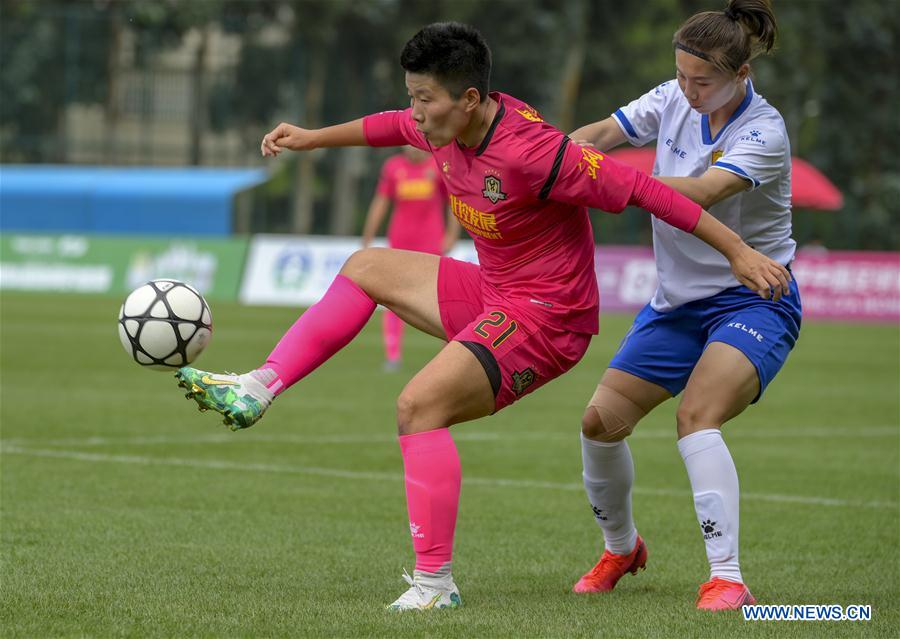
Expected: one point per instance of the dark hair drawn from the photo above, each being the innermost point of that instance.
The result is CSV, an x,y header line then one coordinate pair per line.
x,y
454,54
730,38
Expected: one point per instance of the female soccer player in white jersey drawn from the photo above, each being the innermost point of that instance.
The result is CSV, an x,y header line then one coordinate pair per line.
x,y
721,144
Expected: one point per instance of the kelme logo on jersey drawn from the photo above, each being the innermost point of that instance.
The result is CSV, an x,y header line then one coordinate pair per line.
x,y
522,380
755,137
493,190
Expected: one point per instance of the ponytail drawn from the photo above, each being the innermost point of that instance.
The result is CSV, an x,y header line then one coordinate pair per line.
x,y
730,38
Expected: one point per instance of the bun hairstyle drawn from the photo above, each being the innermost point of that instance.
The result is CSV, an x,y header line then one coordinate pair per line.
x,y
732,37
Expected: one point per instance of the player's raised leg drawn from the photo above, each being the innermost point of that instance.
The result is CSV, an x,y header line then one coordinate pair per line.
x,y
403,281
452,388
710,399
620,401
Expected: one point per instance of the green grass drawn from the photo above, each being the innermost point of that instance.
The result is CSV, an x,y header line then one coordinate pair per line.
x,y
125,512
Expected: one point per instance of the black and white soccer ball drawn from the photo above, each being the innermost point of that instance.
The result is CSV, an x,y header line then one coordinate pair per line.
x,y
164,324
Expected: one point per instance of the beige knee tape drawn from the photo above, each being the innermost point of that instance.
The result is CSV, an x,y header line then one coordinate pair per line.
x,y
618,414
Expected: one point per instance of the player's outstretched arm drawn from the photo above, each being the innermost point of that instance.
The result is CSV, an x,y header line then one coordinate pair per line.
x,y
708,189
377,212
589,178
604,135
293,138
754,270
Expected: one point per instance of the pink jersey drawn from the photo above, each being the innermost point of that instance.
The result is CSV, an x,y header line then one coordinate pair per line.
x,y
419,197
521,195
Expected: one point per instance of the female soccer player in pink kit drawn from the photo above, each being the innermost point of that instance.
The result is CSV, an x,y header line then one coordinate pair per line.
x,y
520,318
410,180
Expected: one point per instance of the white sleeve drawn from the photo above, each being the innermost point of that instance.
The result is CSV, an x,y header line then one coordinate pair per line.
x,y
639,120
758,154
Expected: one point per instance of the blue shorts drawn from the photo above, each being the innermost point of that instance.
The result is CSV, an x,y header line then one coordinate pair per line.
x,y
663,348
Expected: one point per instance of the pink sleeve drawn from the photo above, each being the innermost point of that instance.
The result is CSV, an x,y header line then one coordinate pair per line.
x,y
666,203
386,182
587,177
393,128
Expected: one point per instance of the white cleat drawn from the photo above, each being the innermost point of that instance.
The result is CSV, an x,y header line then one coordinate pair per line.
x,y
427,594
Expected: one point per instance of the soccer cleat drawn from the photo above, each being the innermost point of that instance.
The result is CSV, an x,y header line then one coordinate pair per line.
x,y
611,567
721,594
427,594
242,399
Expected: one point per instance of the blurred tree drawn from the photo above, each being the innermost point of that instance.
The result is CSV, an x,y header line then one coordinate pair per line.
x,y
48,62
162,24
318,62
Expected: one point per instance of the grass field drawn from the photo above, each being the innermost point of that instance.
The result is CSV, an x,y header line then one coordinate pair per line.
x,y
125,512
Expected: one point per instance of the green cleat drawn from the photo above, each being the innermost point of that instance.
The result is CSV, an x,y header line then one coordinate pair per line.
x,y
242,399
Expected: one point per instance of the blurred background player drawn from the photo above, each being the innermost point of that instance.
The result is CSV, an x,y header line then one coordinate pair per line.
x,y
515,321
726,148
420,221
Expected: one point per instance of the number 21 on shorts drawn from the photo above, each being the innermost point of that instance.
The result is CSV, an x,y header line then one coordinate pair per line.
x,y
496,320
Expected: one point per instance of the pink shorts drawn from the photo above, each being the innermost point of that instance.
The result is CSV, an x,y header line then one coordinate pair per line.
x,y
518,353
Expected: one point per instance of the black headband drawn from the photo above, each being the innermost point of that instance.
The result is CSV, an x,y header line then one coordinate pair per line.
x,y
699,54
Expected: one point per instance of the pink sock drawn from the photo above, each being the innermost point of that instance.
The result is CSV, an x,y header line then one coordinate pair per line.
x,y
433,476
392,329
323,330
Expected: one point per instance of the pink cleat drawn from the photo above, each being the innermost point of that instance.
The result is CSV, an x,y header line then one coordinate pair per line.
x,y
604,576
721,594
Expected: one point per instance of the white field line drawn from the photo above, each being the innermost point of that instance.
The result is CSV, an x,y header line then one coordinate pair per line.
x,y
225,437
219,464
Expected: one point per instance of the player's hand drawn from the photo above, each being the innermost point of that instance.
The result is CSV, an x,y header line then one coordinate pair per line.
x,y
765,276
286,136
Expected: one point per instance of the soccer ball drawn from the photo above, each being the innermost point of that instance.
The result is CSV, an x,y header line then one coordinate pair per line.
x,y
164,324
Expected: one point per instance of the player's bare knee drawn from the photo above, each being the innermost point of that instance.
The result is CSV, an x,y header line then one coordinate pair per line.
x,y
362,266
693,416
610,416
415,414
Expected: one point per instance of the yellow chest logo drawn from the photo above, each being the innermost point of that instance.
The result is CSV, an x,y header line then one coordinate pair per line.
x,y
475,221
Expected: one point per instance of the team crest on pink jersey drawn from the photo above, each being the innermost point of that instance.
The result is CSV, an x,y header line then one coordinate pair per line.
x,y
493,190
522,380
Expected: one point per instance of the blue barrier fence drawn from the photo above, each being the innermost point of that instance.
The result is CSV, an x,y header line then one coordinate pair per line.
x,y
186,201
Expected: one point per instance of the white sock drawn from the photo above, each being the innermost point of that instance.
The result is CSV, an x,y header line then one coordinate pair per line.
x,y
254,382
608,476
267,377
714,482
441,579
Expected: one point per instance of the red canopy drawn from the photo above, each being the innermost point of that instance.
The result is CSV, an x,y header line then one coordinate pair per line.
x,y
810,188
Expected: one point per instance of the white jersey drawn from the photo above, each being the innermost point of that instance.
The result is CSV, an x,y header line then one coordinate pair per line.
x,y
754,145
